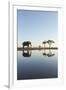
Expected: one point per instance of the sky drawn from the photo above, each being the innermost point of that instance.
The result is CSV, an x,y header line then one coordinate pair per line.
x,y
36,26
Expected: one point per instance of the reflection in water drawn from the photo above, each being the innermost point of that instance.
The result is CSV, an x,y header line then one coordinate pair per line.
x,y
26,53
39,65
48,53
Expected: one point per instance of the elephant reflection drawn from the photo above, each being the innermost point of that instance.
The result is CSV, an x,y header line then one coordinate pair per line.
x,y
48,53
27,53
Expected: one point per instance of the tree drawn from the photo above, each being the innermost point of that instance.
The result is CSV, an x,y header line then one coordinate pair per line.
x,y
44,43
50,43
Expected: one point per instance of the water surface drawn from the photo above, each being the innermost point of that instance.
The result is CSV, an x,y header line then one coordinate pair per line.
x,y
37,64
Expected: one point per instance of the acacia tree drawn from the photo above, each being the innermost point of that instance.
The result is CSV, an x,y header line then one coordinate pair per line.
x,y
50,43
44,43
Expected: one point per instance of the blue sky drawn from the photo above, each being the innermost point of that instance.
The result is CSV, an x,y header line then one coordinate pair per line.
x,y
37,26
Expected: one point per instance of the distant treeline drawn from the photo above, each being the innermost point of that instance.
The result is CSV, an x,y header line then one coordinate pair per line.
x,y
21,48
29,45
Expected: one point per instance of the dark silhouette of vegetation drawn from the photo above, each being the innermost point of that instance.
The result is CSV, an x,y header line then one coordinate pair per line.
x,y
44,43
50,43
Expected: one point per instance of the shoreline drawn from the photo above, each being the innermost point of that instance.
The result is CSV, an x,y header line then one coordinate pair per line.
x,y
20,48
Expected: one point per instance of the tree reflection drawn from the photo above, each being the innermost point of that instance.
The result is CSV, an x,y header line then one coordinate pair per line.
x,y
48,53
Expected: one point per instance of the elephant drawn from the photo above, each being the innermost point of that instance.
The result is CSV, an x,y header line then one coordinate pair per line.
x,y
26,43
